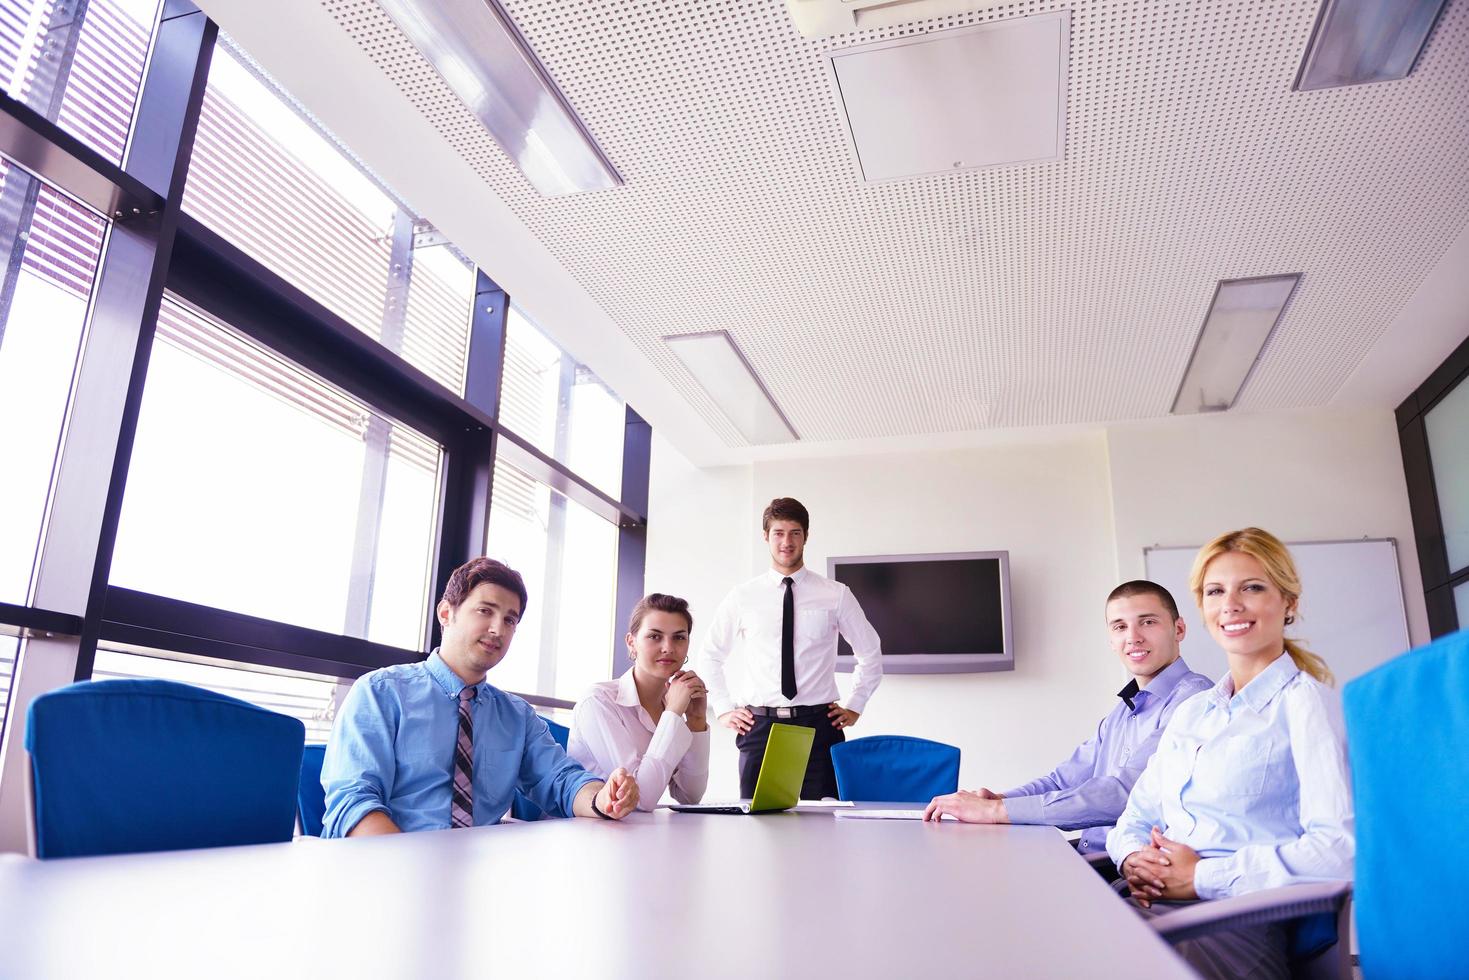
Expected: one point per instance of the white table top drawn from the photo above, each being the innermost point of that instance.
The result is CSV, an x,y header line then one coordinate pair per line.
x,y
661,894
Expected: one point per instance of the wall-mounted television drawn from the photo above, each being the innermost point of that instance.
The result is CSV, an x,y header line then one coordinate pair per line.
x,y
936,614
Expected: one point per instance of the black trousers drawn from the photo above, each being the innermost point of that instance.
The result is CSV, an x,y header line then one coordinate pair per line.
x,y
821,779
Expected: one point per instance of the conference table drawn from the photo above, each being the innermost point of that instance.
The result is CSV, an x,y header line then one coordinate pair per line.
x,y
661,894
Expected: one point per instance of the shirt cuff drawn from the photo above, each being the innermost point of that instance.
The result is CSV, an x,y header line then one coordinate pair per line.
x,y
1120,847
854,703
1024,809
353,815
670,739
1212,878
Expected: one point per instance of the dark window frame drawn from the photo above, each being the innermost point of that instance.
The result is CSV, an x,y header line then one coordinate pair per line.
x,y
1439,580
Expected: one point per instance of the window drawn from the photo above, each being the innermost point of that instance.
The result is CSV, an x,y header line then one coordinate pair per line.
x,y
1447,428
51,254
568,557
309,697
257,488
81,71
268,179
9,650
560,407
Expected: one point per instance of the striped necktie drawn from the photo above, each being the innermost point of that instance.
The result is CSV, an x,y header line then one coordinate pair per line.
x,y
461,803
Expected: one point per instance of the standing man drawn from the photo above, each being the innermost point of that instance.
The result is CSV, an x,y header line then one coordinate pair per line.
x,y
431,745
785,624
1088,791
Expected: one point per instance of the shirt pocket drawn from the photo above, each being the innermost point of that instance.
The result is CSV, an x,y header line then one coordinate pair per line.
x,y
1234,768
815,624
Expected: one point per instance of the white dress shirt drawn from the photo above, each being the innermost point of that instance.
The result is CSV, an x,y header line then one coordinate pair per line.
x,y
1256,782
749,620
611,728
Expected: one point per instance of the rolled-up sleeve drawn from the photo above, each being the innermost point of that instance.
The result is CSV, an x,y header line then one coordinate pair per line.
x,y
358,767
548,776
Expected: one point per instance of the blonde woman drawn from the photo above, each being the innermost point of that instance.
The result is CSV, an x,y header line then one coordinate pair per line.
x,y
1249,787
652,721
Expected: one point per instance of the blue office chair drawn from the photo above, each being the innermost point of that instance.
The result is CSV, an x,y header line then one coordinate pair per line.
x,y
125,766
310,794
522,808
895,769
1408,737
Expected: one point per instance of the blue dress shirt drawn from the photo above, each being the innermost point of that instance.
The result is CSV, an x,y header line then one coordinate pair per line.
x,y
393,750
1256,782
1089,790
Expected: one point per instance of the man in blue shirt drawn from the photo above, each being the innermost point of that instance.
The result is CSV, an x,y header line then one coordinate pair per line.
x,y
431,745
1089,790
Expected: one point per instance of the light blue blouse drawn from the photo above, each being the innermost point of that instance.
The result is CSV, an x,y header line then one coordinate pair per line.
x,y
1256,782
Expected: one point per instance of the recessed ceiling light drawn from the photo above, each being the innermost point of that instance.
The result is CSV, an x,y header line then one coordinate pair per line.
x,y
1239,322
717,364
482,56
962,99
1360,41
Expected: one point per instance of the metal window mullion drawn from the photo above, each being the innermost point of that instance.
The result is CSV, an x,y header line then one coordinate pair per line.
x,y
464,510
555,537
376,439
632,536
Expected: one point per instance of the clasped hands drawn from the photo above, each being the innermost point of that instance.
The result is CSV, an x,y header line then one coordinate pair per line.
x,y
1162,870
686,695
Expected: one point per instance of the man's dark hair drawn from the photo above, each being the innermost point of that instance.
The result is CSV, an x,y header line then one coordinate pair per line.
x,y
479,571
658,602
786,509
1141,586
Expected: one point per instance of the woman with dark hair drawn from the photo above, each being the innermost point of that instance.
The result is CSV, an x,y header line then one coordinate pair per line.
x,y
1249,787
652,720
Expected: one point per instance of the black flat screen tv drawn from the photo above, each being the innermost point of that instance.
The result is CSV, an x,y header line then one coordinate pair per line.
x,y
935,614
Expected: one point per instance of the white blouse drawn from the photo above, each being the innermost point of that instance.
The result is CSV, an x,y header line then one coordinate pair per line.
x,y
610,728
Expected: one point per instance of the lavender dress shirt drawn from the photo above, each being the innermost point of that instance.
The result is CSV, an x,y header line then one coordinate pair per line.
x,y
1088,791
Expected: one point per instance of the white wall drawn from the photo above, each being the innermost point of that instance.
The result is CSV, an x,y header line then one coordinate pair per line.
x,y
1317,476
1074,508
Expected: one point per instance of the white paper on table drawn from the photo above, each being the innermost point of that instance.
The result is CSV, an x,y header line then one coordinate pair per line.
x,y
882,814
823,804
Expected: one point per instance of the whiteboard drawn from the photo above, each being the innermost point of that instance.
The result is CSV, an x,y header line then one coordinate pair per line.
x,y
1351,609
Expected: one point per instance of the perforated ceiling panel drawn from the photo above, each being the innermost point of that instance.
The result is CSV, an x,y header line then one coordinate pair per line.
x,y
1052,293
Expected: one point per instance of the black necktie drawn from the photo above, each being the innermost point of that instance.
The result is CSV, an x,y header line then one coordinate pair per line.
x,y
788,643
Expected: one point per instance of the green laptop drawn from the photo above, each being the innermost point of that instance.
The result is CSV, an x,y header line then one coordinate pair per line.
x,y
781,773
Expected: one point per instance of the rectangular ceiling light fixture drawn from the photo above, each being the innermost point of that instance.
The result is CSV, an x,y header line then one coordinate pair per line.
x,y
717,364
1240,320
1360,41
482,56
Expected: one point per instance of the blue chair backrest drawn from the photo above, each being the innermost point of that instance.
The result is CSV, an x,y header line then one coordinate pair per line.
x,y
522,808
310,794
125,766
1408,739
895,769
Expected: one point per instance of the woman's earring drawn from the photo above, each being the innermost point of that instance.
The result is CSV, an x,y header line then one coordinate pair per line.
x,y
1290,619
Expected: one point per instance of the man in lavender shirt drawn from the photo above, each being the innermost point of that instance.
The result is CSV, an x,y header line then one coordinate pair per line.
x,y
1088,791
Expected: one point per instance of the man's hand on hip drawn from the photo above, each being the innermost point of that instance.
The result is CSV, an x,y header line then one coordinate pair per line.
x,y
842,717
741,720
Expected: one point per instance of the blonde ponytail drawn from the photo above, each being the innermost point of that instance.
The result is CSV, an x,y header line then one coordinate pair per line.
x,y
1308,663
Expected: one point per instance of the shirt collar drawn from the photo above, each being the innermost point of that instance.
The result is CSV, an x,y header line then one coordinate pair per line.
x,y
1262,690
1162,683
627,690
448,681
797,578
